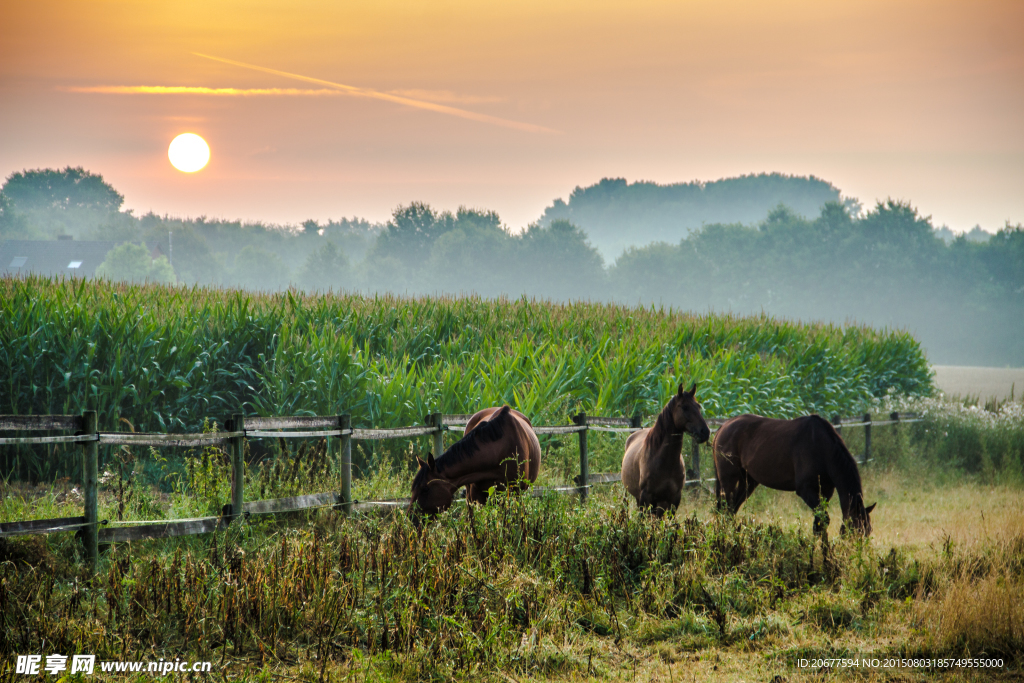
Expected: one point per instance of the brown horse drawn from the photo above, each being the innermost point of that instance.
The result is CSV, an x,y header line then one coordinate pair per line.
x,y
499,449
652,469
805,455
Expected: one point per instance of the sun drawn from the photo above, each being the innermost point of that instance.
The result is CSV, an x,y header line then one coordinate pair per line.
x,y
188,153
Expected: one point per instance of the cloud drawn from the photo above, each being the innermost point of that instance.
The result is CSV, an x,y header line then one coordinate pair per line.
x,y
197,90
447,96
397,99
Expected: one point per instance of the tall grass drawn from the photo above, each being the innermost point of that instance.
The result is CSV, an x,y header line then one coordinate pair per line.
x,y
530,587
509,586
965,435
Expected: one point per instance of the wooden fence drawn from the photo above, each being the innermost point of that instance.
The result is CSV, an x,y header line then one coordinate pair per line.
x,y
238,428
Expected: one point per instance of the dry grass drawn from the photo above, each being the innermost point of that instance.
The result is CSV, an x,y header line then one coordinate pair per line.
x,y
975,615
912,514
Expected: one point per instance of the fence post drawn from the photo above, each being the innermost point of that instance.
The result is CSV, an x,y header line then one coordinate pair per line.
x,y
634,421
237,466
434,420
895,417
867,438
345,423
90,485
837,422
581,420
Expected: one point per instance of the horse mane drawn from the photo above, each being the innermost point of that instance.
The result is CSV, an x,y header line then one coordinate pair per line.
x,y
486,431
662,428
840,465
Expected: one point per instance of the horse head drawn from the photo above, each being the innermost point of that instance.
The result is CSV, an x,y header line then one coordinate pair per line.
x,y
431,492
687,415
859,519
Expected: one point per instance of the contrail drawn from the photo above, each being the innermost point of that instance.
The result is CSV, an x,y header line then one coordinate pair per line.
x,y
196,90
407,101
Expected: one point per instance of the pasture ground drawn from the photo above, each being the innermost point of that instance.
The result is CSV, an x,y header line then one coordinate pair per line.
x,y
979,382
967,536
542,589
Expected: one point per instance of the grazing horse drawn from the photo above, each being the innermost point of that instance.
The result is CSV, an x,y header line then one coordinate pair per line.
x,y
499,449
805,455
652,469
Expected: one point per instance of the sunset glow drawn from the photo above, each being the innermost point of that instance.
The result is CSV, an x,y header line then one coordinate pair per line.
x,y
323,110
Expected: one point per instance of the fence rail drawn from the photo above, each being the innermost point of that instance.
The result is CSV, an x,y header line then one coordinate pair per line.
x,y
240,428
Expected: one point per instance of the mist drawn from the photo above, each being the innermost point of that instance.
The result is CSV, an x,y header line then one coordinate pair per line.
x,y
783,246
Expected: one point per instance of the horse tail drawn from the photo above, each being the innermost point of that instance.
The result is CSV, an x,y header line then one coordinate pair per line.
x,y
718,489
718,477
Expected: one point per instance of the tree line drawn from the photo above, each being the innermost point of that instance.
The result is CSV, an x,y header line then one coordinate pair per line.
x,y
889,266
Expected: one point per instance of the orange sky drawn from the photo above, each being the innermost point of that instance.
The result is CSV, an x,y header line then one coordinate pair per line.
x,y
916,100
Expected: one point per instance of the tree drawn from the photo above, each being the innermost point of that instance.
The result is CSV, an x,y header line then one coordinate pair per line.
x,y
188,250
325,269
259,269
71,200
616,214
71,188
559,262
132,263
411,233
474,255
13,225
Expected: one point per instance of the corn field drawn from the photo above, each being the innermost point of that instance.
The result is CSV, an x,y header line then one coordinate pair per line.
x,y
163,358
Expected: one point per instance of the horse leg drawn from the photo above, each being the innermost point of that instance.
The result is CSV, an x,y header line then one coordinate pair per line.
x,y
477,493
742,487
733,482
674,501
667,503
747,486
827,489
812,492
647,502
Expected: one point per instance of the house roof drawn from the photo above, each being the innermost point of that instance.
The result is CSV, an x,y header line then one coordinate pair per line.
x,y
73,258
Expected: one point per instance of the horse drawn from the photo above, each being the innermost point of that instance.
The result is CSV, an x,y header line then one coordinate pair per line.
x,y
805,455
499,449
652,468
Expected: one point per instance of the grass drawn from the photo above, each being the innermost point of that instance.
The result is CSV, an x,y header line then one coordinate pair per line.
x,y
539,589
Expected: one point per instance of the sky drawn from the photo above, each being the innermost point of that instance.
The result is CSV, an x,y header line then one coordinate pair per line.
x,y
316,109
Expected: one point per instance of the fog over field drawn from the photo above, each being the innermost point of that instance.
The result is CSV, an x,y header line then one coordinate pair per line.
x,y
791,247
980,382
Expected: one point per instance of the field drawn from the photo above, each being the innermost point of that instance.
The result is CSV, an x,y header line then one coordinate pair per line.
x,y
166,359
542,589
524,588
981,383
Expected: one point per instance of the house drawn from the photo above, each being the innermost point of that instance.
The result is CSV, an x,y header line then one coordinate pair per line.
x,y
63,256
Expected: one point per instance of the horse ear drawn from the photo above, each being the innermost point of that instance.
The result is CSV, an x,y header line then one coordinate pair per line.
x,y
680,389
430,461
419,462
869,508
693,390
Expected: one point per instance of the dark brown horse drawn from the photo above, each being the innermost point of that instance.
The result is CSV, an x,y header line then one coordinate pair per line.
x,y
652,469
499,449
805,455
